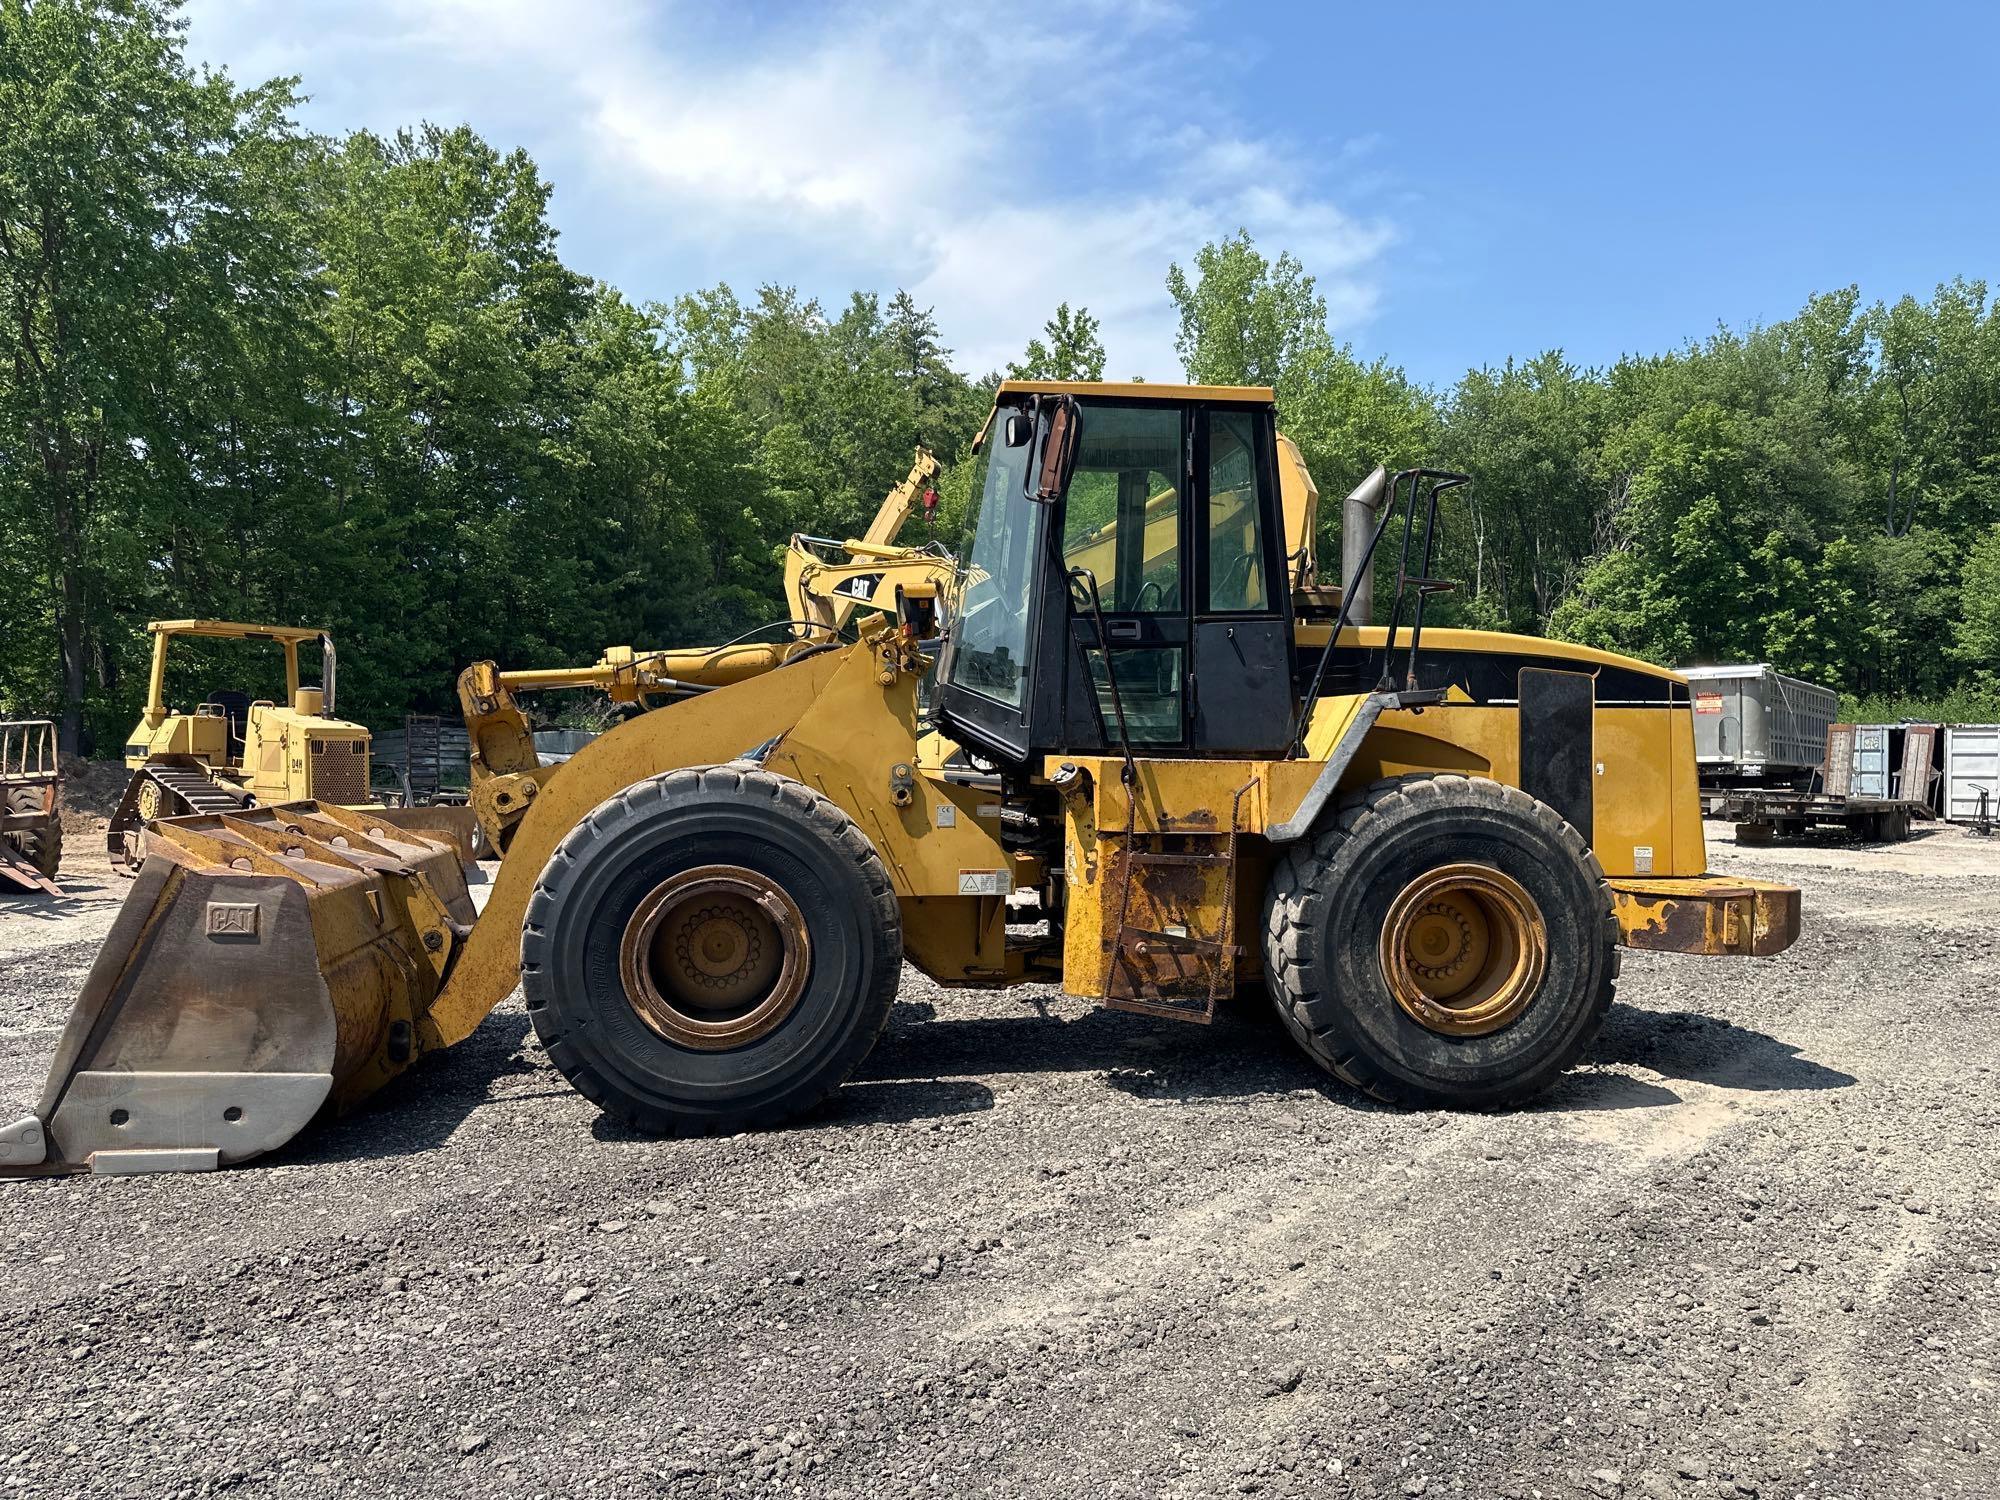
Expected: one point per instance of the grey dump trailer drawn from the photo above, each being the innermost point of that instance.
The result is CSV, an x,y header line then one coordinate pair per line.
x,y
1754,726
1773,761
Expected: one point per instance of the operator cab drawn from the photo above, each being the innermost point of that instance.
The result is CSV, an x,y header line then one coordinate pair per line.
x,y
1139,521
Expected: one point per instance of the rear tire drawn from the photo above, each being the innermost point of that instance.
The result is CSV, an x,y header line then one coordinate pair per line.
x,y
1498,861
40,847
711,950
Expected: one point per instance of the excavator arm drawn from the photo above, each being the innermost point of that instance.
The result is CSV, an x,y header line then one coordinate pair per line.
x,y
826,581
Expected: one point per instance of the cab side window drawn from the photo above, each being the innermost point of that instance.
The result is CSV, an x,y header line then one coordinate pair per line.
x,y
1235,519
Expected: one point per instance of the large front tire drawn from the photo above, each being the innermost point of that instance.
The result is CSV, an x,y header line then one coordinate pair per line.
x,y
711,950
1444,941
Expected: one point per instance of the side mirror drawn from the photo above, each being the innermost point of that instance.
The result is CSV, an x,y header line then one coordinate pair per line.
x,y
1020,429
1059,449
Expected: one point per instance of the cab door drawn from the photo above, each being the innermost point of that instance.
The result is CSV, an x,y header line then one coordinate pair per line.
x,y
1124,534
1241,689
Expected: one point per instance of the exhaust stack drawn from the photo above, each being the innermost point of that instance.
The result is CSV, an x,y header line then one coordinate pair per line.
x,y
1357,532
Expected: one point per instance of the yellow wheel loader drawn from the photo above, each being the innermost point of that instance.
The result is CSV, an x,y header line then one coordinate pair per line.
x,y
1175,764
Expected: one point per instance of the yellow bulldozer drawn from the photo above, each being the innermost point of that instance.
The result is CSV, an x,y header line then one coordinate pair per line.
x,y
232,751
1162,766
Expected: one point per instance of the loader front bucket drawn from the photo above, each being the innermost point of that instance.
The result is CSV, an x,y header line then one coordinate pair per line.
x,y
266,965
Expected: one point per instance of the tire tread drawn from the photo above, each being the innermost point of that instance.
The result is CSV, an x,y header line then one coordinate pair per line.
x,y
1300,887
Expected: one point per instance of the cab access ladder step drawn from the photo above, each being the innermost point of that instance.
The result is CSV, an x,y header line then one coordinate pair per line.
x,y
1164,968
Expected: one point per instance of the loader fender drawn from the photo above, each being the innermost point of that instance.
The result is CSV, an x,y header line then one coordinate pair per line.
x,y
712,728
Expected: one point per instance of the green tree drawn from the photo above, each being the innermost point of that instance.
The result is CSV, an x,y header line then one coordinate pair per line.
x,y
1245,320
1977,634
147,274
1531,436
1069,349
836,405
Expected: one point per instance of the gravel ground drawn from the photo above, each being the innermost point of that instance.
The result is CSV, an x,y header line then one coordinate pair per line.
x,y
1039,1249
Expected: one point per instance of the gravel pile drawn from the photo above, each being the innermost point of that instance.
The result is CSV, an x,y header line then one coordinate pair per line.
x,y
1749,1249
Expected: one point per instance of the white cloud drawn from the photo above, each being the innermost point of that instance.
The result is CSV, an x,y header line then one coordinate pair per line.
x,y
992,162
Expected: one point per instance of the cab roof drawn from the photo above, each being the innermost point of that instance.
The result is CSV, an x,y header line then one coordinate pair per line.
x,y
1143,390
232,630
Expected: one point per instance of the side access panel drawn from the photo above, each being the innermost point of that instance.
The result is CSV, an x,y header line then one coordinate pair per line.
x,y
1242,686
1558,744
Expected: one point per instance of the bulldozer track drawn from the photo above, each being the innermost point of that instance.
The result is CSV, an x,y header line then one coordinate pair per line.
x,y
200,792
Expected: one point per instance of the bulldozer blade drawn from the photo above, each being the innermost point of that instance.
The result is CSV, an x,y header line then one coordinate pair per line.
x,y
266,965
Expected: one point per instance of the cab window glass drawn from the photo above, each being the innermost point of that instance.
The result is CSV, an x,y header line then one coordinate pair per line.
x,y
1149,690
1122,518
1235,520
989,651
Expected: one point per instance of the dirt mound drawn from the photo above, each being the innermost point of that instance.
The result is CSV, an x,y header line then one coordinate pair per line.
x,y
90,793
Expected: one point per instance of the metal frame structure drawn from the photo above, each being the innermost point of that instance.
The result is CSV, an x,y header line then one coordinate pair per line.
x,y
28,764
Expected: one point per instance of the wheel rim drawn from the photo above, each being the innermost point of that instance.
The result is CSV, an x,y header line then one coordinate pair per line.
x,y
149,800
715,957
1464,949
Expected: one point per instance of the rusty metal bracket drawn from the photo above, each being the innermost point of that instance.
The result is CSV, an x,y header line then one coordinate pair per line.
x,y
1706,914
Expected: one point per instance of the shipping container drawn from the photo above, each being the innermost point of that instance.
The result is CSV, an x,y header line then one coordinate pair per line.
x,y
1884,761
1753,724
1971,766
1874,775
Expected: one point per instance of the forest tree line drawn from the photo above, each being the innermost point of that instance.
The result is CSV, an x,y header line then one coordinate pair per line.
x,y
253,372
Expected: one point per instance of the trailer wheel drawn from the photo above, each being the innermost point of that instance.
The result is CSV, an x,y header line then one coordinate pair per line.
x,y
1446,940
41,846
711,950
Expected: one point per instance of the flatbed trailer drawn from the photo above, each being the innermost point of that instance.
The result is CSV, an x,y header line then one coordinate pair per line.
x,y
1763,815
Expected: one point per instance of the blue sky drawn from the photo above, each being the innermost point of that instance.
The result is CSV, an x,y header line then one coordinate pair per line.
x,y
1465,181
